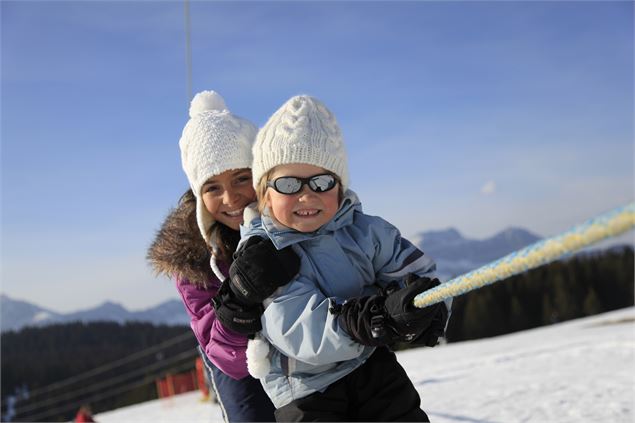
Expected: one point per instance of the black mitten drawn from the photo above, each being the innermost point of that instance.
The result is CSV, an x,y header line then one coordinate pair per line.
x,y
259,269
385,319
244,319
364,319
407,320
430,337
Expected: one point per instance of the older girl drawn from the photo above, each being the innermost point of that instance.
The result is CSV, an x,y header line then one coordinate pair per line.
x,y
197,240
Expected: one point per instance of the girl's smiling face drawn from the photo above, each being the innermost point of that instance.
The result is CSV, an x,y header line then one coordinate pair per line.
x,y
305,211
226,195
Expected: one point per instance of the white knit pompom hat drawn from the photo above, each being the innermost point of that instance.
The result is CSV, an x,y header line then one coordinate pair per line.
x,y
303,130
213,141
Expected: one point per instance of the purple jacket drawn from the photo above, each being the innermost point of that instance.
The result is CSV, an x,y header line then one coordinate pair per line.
x,y
180,252
224,347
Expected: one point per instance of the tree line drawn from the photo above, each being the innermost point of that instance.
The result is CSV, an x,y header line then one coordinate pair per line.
x,y
584,285
105,364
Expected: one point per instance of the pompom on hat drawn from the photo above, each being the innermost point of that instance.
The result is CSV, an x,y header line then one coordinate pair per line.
x,y
305,131
213,141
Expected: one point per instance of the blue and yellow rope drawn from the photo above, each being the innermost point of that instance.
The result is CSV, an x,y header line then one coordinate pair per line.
x,y
608,225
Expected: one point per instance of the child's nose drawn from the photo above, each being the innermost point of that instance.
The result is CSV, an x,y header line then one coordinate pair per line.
x,y
306,192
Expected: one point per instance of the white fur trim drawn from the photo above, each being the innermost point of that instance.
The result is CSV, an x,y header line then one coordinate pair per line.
x,y
258,357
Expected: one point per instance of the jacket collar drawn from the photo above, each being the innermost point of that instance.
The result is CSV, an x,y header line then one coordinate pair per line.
x,y
281,236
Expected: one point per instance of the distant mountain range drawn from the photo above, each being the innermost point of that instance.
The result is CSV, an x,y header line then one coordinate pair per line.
x,y
18,314
454,254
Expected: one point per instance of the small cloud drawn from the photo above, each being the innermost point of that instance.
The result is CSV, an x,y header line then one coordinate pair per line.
x,y
489,188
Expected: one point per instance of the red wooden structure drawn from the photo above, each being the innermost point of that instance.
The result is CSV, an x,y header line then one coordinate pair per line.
x,y
183,382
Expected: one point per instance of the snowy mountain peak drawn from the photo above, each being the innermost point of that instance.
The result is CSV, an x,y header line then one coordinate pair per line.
x,y
17,314
438,237
456,255
515,235
110,306
41,316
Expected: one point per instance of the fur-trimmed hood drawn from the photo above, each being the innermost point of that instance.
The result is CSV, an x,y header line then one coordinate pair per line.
x,y
179,251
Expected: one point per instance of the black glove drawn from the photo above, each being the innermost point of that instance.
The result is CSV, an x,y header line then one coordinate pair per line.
x,y
363,318
410,321
430,337
387,318
244,319
259,269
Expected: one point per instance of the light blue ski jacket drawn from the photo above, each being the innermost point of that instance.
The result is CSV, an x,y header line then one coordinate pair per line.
x,y
347,257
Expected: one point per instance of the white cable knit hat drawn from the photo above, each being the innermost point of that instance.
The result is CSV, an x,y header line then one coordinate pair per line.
x,y
303,130
213,141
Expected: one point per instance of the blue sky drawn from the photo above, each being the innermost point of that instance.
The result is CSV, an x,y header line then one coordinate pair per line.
x,y
473,115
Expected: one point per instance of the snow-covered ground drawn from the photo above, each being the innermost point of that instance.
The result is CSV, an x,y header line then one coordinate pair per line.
x,y
582,370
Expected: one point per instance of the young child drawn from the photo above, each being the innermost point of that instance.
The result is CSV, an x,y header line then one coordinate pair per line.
x,y
330,326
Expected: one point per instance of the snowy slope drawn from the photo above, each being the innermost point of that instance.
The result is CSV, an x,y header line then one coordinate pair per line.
x,y
582,370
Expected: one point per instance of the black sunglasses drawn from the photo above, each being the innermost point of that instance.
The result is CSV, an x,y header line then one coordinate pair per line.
x,y
292,184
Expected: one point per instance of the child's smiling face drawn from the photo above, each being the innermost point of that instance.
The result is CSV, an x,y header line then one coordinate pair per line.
x,y
305,211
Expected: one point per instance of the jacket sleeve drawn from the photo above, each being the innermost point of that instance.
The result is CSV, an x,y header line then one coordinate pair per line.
x,y
225,348
299,324
396,257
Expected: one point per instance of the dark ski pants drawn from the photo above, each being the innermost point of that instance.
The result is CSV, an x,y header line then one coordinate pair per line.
x,y
241,400
378,390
